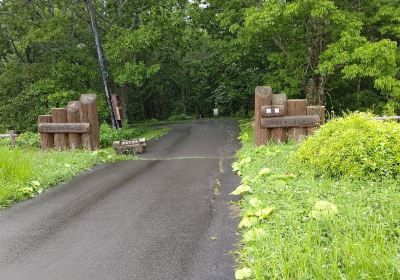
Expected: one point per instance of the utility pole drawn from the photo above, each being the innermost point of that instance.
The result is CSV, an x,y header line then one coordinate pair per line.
x,y
102,62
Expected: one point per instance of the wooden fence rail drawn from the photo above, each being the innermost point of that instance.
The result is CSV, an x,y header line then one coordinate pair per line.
x,y
12,135
76,126
278,119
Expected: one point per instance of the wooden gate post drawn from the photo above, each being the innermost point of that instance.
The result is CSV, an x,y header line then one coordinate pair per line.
x,y
46,139
263,97
73,116
315,110
297,107
59,115
90,141
279,134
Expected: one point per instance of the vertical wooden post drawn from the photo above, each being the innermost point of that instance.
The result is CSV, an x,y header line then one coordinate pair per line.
x,y
59,115
315,110
263,97
279,134
89,114
73,116
46,139
12,138
297,107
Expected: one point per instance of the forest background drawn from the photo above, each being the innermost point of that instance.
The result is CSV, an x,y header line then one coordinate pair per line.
x,y
169,57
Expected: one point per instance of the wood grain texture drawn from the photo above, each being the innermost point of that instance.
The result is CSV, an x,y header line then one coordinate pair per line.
x,y
59,115
291,122
263,97
88,114
297,107
73,116
279,134
68,128
46,139
316,110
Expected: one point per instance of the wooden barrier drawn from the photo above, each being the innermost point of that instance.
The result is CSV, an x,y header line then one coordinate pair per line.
x,y
263,97
72,127
278,119
278,134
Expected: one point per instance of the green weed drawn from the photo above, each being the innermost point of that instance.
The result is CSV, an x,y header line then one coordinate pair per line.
x,y
298,226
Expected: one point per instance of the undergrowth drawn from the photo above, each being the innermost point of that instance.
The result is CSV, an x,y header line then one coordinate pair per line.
x,y
298,226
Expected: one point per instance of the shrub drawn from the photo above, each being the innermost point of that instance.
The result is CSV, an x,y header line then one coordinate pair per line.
x,y
353,147
27,139
108,135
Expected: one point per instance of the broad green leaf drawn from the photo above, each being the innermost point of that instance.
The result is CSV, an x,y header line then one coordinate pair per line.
x,y
264,213
243,273
241,189
247,222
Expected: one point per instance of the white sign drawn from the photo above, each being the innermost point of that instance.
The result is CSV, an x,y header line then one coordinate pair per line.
x,y
215,112
268,111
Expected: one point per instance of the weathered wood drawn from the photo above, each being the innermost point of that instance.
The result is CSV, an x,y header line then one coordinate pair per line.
x,y
88,114
273,111
59,115
263,97
297,107
136,146
46,139
315,110
67,128
73,116
291,122
279,134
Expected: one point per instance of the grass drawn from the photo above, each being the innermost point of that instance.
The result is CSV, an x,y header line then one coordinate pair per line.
x,y
27,171
287,235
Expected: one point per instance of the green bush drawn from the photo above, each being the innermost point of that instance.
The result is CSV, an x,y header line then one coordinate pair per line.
x,y
353,147
108,135
27,139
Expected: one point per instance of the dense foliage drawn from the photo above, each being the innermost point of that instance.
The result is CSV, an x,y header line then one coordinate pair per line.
x,y
355,147
297,226
171,57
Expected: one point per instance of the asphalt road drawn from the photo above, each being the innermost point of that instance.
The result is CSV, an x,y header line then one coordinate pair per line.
x,y
165,217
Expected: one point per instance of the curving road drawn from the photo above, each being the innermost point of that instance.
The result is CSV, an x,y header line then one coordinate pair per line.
x,y
164,217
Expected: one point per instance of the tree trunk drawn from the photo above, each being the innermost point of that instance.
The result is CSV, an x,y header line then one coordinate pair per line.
x,y
102,61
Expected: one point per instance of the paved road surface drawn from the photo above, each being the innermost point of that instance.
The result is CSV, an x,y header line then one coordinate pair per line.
x,y
165,217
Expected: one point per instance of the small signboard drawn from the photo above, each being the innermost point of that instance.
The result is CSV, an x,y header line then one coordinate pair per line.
x,y
216,113
273,111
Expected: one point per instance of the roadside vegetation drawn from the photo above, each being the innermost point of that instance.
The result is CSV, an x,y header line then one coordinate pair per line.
x,y
325,209
26,171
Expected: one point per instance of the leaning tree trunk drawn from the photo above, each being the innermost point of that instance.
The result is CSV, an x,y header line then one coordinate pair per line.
x,y
102,61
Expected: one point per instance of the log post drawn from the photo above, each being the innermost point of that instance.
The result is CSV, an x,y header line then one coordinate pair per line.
x,y
73,116
263,97
46,139
89,114
279,134
297,107
12,138
59,115
316,110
